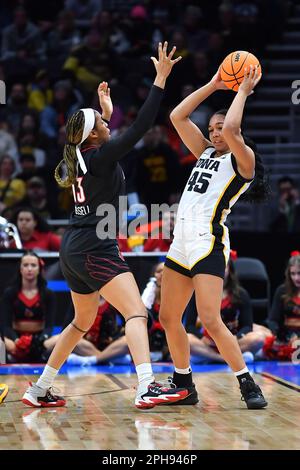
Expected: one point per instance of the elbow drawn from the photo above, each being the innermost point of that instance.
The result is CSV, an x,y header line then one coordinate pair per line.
x,y
229,129
173,115
176,116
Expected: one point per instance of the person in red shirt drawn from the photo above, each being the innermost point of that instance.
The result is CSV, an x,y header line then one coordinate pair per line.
x,y
165,237
34,231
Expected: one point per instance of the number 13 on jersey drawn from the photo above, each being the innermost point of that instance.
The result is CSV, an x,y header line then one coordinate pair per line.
x,y
78,193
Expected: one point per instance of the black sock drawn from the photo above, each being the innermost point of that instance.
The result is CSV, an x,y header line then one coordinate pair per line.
x,y
243,377
183,380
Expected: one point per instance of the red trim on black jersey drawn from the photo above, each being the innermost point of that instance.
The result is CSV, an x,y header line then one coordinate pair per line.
x,y
85,149
29,302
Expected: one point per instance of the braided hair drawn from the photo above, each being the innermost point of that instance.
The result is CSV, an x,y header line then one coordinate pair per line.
x,y
259,190
74,130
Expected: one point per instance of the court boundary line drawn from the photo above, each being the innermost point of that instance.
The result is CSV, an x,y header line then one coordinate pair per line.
x,y
117,381
281,381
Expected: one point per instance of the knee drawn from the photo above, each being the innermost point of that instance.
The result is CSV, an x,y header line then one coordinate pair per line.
x,y
84,323
212,322
257,339
165,319
138,312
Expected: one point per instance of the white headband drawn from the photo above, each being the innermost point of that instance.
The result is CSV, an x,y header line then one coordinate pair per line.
x,y
89,123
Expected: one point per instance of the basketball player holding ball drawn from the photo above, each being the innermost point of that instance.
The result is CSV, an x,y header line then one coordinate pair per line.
x,y
226,168
93,265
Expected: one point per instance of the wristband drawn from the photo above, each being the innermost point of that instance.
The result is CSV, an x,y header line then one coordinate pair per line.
x,y
105,120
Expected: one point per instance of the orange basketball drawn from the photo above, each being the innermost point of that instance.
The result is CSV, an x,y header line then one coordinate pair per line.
x,y
232,68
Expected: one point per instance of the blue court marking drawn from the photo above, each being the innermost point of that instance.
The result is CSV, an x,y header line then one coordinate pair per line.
x,y
284,370
58,286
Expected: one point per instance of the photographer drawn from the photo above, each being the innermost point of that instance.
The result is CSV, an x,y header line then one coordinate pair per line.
x,y
287,218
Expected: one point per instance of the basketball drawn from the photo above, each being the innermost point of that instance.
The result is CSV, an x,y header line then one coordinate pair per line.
x,y
232,68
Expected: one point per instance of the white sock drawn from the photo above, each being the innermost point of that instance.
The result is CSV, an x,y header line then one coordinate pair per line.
x,y
186,371
145,374
47,378
243,371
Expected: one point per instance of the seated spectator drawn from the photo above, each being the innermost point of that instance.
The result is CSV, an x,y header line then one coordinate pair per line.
x,y
34,231
65,102
28,167
157,172
165,237
28,311
12,190
40,94
16,107
236,313
84,10
288,210
64,37
151,299
194,28
37,198
91,62
22,45
8,145
284,318
104,342
28,138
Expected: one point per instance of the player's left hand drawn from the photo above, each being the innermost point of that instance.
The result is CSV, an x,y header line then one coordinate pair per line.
x,y
251,78
105,100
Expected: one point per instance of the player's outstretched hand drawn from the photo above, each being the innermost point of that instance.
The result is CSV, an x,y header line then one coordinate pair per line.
x,y
105,100
165,63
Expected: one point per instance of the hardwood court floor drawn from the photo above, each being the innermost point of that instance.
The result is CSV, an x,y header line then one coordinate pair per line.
x,y
100,415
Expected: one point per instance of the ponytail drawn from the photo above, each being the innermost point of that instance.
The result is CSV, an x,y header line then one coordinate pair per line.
x,y
259,190
74,131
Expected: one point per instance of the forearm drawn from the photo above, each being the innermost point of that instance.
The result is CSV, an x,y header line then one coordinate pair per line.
x,y
116,148
191,102
233,118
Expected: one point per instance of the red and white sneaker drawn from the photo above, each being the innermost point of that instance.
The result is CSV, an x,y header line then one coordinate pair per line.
x,y
157,394
38,397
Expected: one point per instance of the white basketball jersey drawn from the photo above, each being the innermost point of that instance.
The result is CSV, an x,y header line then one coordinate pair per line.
x,y
212,189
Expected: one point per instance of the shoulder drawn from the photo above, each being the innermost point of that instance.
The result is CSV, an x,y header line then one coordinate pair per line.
x,y
244,295
235,168
207,152
280,291
10,292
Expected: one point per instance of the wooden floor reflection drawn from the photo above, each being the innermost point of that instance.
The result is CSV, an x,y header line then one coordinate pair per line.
x,y
100,415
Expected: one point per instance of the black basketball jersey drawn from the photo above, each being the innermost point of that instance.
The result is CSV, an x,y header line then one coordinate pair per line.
x,y
104,181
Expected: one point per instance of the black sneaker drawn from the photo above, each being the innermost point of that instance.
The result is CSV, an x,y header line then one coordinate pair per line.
x,y
252,395
157,394
190,399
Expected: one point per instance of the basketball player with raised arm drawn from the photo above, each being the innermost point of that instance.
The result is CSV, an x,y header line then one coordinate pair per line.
x,y
92,265
225,169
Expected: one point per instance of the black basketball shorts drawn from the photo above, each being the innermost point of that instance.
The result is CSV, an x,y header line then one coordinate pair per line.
x,y
87,262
